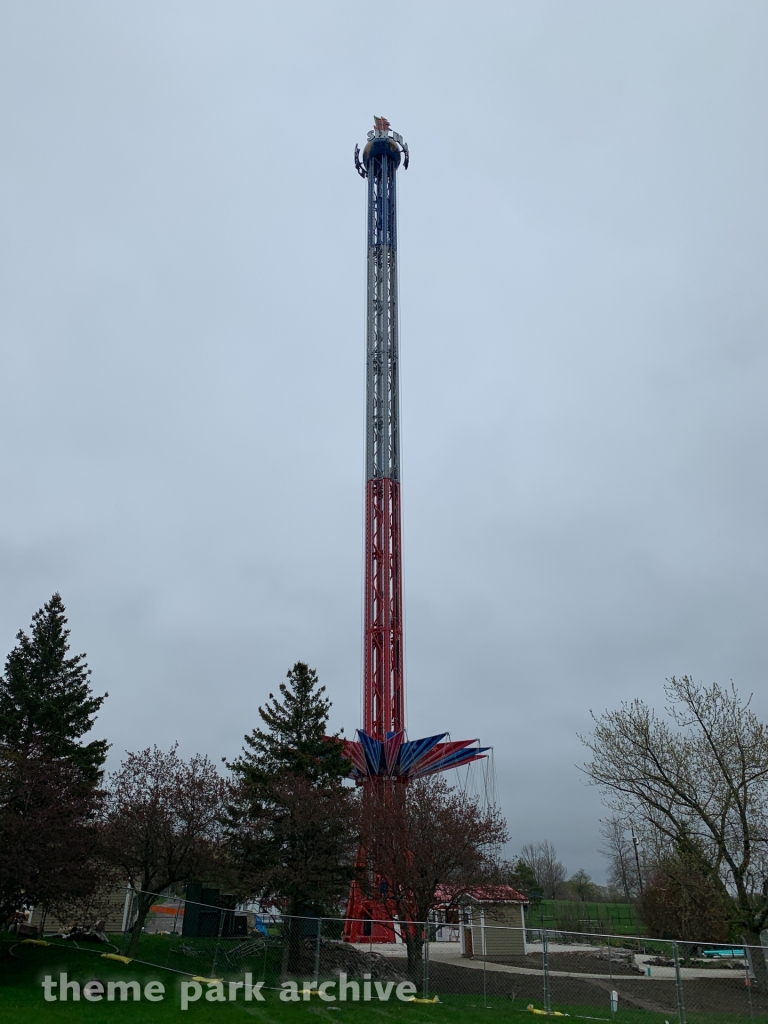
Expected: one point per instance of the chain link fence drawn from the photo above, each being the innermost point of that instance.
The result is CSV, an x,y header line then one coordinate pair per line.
x,y
465,962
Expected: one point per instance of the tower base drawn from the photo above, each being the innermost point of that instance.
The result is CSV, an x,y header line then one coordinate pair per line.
x,y
368,920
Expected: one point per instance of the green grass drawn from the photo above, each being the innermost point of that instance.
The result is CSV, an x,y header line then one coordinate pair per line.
x,y
573,915
21,1000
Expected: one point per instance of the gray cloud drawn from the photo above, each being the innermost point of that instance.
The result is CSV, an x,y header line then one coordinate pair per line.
x,y
584,362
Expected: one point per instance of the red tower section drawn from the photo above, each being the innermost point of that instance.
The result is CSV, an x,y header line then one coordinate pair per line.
x,y
384,711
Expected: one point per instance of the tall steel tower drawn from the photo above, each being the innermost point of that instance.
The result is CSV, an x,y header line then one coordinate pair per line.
x,y
381,750
381,747
384,710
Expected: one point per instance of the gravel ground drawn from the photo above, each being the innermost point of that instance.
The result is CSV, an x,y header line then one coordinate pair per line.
x,y
580,963
728,996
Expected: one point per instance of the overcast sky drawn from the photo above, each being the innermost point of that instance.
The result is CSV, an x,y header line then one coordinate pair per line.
x,y
583,328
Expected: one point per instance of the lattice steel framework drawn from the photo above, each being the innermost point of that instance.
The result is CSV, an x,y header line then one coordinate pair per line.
x,y
384,710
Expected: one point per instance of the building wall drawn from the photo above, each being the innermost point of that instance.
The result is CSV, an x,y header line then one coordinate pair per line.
x,y
498,929
112,913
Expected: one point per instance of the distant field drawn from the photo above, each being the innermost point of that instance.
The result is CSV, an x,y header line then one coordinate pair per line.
x,y
575,916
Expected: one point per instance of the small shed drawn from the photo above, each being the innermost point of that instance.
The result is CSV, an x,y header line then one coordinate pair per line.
x,y
492,920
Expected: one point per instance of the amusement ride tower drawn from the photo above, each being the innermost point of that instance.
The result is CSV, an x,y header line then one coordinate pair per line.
x,y
381,750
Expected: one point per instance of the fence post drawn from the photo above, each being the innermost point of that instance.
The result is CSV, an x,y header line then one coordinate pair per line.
x,y
678,985
425,961
545,965
222,914
173,933
316,982
610,960
176,918
264,965
485,984
128,916
749,975
126,908
614,999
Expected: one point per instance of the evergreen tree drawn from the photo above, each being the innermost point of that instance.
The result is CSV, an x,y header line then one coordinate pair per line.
x,y
46,702
294,741
524,880
292,821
